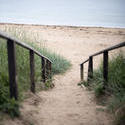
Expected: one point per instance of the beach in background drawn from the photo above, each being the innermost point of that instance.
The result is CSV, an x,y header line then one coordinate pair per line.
x,y
93,13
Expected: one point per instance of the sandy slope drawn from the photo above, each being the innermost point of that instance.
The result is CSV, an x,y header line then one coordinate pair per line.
x,y
67,103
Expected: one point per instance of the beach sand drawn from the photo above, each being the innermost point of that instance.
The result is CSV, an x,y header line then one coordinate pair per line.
x,y
67,103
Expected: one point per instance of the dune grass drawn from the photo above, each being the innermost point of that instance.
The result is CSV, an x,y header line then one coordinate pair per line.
x,y
60,65
115,89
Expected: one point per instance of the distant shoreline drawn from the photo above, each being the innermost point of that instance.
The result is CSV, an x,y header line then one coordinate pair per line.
x,y
70,26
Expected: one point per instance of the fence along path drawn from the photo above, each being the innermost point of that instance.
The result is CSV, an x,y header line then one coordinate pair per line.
x,y
105,63
45,62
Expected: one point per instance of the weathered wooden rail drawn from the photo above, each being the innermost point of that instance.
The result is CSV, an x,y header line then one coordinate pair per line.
x,y
45,64
105,63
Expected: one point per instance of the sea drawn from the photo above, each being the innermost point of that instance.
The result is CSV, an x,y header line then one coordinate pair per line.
x,y
93,13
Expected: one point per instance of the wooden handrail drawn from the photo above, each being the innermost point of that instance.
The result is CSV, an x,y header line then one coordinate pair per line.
x,y
105,62
45,62
24,45
108,49
85,61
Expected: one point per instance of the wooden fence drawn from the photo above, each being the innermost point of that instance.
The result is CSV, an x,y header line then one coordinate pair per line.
x,y
45,62
105,63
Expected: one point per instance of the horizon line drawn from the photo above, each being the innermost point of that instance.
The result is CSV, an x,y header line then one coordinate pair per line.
x,y
75,26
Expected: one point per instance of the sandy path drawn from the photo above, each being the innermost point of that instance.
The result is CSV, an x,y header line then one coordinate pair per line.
x,y
67,103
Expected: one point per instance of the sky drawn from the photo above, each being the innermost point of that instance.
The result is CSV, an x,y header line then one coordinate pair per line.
x,y
105,13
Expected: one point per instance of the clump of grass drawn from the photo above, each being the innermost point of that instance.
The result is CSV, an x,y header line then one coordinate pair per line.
x,y
85,83
99,90
11,107
115,87
117,74
60,65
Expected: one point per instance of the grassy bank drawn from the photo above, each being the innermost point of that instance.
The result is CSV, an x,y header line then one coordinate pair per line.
x,y
60,65
114,92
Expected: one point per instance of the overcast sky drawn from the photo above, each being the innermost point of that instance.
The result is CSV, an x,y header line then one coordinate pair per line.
x,y
64,12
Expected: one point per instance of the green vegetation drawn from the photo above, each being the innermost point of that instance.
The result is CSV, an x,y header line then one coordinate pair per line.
x,y
115,89
60,65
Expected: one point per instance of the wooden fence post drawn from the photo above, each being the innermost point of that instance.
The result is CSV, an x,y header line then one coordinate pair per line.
x,y
48,69
90,68
105,67
32,71
43,69
82,72
12,69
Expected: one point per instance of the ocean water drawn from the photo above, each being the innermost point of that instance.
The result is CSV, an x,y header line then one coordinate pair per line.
x,y
100,13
